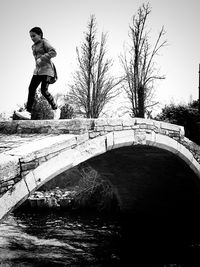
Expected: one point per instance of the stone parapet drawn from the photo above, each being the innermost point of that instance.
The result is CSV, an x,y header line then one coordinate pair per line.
x,y
102,126
75,126
80,126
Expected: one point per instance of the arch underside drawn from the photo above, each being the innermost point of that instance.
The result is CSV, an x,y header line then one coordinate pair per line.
x,y
150,180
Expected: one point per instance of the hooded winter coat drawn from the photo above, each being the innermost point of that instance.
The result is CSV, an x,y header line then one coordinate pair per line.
x,y
43,51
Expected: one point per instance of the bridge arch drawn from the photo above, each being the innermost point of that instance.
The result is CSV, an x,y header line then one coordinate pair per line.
x,y
90,147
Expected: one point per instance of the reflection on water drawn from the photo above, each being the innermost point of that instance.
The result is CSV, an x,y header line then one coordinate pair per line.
x,y
58,240
64,239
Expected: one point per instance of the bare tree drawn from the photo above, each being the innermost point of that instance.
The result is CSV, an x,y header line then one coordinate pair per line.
x,y
92,87
139,66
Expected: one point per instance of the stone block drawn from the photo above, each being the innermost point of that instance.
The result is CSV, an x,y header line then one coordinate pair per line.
x,y
30,181
124,138
163,131
174,134
12,198
7,183
140,137
171,127
100,122
135,127
3,189
53,167
109,141
29,165
127,127
129,122
99,128
93,134
118,128
144,121
92,148
8,127
108,128
9,167
150,138
165,142
143,126
151,127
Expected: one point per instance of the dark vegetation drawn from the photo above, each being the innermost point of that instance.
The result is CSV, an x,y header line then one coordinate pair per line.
x,y
185,115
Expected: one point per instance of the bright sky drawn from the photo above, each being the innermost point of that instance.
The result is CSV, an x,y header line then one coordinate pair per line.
x,y
64,22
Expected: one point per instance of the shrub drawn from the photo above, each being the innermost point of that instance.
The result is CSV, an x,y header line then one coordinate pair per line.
x,y
185,115
94,192
41,109
67,111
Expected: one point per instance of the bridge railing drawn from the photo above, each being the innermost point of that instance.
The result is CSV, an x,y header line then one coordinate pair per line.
x,y
94,126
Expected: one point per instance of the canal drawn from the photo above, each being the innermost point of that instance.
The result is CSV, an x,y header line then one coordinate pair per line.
x,y
70,239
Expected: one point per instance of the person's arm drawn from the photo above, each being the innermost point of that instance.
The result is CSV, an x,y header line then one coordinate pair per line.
x,y
49,52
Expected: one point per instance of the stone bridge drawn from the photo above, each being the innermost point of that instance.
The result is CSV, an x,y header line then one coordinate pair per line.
x,y
34,152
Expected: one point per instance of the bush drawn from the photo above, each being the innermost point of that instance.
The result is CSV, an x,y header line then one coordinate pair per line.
x,y
67,111
185,115
41,109
95,192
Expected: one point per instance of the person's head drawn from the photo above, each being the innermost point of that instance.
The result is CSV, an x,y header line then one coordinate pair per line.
x,y
36,34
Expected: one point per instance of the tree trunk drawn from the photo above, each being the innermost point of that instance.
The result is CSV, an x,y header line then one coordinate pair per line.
x,y
141,102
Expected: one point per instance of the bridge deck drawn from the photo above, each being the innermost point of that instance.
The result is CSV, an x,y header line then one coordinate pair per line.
x,y
9,142
27,146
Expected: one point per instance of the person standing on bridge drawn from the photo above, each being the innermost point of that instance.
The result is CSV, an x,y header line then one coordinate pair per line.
x,y
42,52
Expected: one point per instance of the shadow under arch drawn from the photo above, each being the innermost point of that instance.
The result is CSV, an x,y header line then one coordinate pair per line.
x,y
160,194
149,179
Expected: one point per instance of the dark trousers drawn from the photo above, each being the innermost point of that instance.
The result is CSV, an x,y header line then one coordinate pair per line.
x,y
35,81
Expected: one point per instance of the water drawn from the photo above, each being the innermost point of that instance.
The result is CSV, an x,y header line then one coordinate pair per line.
x,y
67,239
55,239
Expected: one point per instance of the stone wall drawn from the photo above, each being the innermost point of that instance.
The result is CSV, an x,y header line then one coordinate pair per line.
x,y
94,126
102,126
